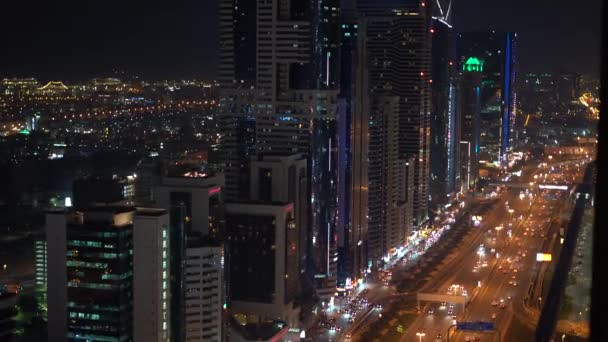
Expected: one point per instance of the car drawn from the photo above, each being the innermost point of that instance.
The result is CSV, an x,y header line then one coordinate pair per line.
x,y
494,303
467,339
476,338
450,312
431,311
502,305
439,336
514,283
509,297
494,316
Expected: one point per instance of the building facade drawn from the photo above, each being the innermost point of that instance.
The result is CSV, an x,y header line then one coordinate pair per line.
x,y
95,287
496,53
397,45
261,249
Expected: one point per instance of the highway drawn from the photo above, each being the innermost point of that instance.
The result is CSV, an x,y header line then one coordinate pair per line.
x,y
516,263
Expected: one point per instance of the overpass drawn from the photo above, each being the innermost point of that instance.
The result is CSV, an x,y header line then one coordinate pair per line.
x,y
523,186
439,298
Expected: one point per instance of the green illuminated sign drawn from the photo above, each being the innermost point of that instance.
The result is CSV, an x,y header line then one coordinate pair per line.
x,y
473,64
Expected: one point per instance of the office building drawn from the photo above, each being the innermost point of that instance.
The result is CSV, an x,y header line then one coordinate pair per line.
x,y
470,100
397,57
204,290
496,52
353,146
390,183
284,179
279,79
261,249
195,207
444,142
151,270
108,274
40,265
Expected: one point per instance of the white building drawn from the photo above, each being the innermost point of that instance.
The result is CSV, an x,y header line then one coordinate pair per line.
x,y
151,269
204,287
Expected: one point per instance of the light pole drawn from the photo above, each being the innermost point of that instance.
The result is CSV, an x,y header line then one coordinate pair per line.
x,y
420,336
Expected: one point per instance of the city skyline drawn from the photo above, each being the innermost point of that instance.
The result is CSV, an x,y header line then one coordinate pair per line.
x,y
298,170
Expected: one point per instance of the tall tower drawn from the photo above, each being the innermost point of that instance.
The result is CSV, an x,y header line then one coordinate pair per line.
x,y
470,111
497,50
284,104
398,43
443,114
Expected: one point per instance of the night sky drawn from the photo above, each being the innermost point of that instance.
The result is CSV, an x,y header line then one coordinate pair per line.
x,y
66,39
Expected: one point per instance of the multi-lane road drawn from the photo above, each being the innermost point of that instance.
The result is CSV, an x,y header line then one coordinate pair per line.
x,y
517,228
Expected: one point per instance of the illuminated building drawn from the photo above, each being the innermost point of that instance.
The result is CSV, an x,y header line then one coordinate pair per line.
x,y
108,270
204,290
390,198
284,179
444,138
400,65
496,53
352,165
261,249
194,204
278,76
40,266
18,86
470,98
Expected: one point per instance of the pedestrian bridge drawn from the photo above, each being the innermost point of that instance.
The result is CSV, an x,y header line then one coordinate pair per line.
x,y
516,185
439,298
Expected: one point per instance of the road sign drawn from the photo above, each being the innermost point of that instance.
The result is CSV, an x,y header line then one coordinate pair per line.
x,y
475,326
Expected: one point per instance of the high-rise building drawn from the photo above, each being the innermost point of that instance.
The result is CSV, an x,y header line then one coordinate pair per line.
x,y
352,147
284,179
279,97
261,250
40,266
470,126
151,270
444,141
496,53
205,290
397,45
385,231
108,274
195,208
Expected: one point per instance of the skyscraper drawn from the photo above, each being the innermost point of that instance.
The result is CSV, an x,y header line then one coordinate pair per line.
x,y
284,103
108,274
496,52
284,179
444,141
398,62
353,146
195,209
261,246
470,127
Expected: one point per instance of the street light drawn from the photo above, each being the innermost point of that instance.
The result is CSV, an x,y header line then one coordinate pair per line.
x,y
420,335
